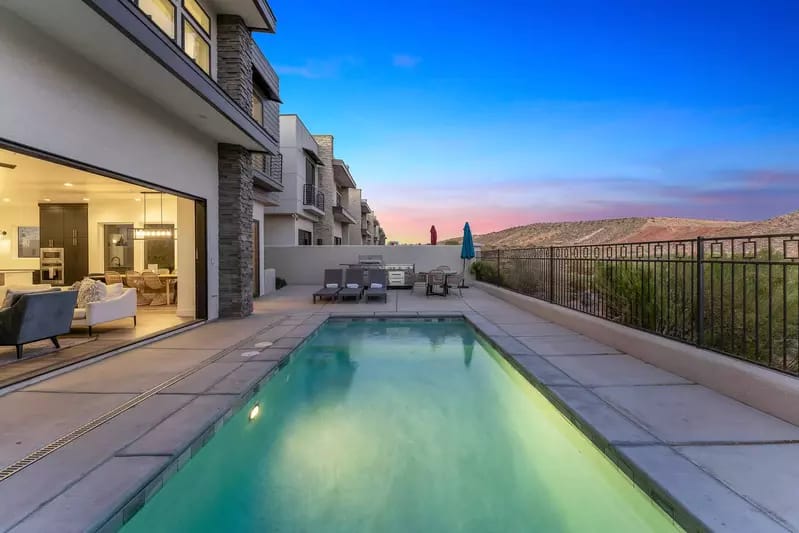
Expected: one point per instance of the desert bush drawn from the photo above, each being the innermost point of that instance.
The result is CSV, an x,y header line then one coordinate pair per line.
x,y
484,271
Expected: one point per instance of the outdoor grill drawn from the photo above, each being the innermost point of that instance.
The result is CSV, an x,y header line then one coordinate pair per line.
x,y
400,275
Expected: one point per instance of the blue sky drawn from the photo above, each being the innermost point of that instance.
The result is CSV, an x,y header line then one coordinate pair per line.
x,y
507,112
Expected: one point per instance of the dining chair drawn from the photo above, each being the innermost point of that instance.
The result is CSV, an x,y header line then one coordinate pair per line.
x,y
153,285
112,277
454,280
134,280
436,278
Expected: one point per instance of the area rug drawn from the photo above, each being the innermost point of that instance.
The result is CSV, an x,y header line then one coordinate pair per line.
x,y
8,354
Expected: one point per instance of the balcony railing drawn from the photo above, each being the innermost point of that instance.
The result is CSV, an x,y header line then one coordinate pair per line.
x,y
735,295
338,199
313,196
269,165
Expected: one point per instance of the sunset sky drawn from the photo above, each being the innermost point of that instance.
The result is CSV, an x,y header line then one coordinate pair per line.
x,y
509,112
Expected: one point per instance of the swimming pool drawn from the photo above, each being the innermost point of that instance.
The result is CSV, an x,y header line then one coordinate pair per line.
x,y
399,426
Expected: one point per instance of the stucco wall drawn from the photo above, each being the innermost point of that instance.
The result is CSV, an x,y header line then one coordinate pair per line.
x,y
304,265
53,100
258,215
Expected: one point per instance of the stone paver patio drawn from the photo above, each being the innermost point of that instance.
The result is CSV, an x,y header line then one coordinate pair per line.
x,y
697,452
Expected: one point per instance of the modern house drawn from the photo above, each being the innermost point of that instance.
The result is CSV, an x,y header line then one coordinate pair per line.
x,y
139,135
370,227
301,203
320,203
346,213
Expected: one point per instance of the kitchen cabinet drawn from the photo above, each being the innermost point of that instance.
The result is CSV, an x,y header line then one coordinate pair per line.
x,y
67,226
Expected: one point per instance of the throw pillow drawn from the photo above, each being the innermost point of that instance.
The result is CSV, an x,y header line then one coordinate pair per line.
x,y
114,290
352,285
331,286
376,286
102,290
89,292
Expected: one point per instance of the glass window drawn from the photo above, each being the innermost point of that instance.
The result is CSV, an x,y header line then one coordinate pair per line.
x,y
196,46
257,106
304,237
162,12
198,14
310,172
118,247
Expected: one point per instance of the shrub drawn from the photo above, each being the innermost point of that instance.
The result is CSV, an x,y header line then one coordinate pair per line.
x,y
484,271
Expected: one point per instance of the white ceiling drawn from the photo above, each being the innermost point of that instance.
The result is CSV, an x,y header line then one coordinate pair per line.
x,y
35,180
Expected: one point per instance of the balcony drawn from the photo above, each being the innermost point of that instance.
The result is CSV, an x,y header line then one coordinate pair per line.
x,y
341,213
313,199
366,228
267,171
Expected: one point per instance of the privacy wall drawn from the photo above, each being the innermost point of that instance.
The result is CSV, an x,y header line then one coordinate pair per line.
x,y
305,265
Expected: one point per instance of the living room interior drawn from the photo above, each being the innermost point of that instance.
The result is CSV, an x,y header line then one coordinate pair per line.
x,y
61,225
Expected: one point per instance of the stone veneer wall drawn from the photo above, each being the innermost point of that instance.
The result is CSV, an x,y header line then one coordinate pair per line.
x,y
323,229
234,59
235,231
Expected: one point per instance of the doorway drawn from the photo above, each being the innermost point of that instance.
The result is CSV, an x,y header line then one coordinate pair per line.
x,y
256,258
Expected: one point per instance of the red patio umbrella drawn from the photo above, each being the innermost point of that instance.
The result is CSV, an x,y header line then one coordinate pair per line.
x,y
433,235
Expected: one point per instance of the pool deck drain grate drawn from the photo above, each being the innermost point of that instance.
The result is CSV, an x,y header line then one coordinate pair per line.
x,y
75,434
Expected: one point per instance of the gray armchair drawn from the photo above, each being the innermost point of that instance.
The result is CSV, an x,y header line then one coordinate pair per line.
x,y
37,316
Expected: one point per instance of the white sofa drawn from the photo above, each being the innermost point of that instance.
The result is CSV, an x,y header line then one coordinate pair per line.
x,y
122,306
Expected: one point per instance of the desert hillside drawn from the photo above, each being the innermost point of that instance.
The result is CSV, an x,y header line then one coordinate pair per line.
x,y
630,230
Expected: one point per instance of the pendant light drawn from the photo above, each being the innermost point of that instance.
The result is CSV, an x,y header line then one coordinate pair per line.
x,y
145,233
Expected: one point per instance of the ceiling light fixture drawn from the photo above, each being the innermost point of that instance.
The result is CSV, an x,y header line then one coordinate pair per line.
x,y
47,200
85,199
161,231
254,412
67,184
6,200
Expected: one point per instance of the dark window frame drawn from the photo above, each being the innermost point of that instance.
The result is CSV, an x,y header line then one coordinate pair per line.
x,y
182,16
260,95
310,165
186,10
304,237
175,20
187,20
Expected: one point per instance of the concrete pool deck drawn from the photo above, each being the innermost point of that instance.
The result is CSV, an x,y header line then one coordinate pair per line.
x,y
697,452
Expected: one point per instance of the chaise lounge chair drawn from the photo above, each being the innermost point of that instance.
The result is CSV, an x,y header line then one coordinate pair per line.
x,y
332,285
353,284
376,286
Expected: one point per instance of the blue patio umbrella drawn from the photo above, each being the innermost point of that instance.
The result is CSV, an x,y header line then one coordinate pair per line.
x,y
467,248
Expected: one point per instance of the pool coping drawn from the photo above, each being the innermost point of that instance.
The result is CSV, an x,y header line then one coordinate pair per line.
x,y
637,473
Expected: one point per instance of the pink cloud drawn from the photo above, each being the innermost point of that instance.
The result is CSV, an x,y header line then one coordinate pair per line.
x,y
743,195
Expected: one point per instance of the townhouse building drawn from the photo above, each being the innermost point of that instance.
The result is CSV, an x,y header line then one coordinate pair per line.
x,y
320,203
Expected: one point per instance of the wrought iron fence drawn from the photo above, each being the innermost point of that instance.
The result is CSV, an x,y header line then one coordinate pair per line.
x,y
735,295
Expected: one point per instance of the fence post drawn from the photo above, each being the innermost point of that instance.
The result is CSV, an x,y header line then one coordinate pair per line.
x,y
700,291
551,274
499,272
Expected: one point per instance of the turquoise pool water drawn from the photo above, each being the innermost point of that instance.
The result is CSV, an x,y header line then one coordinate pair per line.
x,y
399,427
